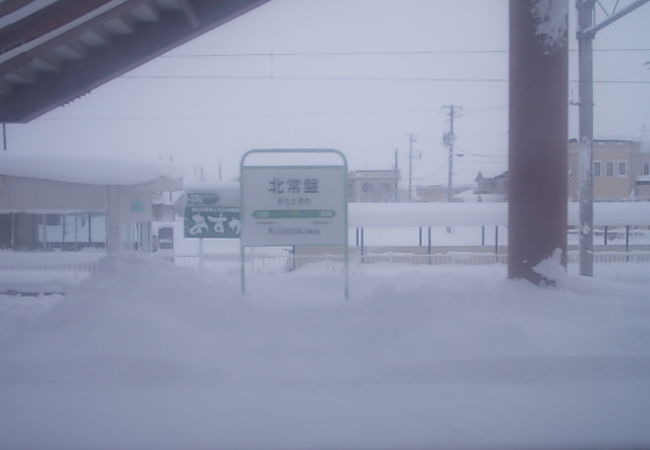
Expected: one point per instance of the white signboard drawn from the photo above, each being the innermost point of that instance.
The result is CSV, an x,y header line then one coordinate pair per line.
x,y
293,205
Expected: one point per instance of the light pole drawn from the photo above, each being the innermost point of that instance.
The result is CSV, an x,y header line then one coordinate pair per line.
x,y
587,29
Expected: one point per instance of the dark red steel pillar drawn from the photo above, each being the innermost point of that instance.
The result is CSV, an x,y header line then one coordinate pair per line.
x,y
538,156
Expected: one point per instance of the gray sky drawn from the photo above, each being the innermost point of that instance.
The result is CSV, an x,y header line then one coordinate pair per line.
x,y
355,75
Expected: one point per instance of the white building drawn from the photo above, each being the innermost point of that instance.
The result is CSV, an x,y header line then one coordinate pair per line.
x,y
50,202
373,185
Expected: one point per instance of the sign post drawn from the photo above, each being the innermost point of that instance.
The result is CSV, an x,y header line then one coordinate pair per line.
x,y
289,205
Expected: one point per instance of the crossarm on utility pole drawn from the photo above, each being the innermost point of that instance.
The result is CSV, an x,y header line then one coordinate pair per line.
x,y
590,32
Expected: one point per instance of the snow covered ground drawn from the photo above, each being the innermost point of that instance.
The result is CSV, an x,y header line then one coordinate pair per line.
x,y
143,354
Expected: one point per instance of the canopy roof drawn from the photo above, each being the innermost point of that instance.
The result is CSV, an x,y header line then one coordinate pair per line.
x,y
54,51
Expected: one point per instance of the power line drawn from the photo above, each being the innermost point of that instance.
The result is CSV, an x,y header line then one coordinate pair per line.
x,y
245,116
370,53
311,78
435,172
334,53
351,78
478,155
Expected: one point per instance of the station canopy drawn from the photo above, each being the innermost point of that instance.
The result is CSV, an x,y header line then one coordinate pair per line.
x,y
54,51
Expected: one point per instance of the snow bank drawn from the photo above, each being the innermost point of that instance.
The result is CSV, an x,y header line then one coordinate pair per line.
x,y
147,355
51,258
552,270
384,215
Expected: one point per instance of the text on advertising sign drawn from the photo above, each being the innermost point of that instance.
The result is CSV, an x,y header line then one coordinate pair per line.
x,y
207,217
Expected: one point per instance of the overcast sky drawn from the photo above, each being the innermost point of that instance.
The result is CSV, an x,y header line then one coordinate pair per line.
x,y
355,75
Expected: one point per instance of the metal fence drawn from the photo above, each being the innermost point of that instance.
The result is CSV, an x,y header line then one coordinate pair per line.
x,y
225,263
286,263
51,266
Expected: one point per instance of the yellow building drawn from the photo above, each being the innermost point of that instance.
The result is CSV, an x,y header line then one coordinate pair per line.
x,y
619,168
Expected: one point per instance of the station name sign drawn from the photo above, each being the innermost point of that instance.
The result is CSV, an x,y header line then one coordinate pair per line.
x,y
293,205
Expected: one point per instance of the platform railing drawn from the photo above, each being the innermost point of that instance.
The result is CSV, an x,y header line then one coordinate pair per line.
x,y
286,263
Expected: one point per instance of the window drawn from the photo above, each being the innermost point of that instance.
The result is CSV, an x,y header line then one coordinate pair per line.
x,y
53,219
646,167
610,168
6,230
97,228
597,168
622,168
366,187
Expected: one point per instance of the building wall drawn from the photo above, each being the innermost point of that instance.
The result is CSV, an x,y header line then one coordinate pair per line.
x,y
26,204
643,191
372,186
129,218
617,165
642,188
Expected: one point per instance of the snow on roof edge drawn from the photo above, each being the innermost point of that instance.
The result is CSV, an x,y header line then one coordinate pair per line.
x,y
98,170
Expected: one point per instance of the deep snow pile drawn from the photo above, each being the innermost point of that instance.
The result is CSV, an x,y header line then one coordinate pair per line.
x,y
147,355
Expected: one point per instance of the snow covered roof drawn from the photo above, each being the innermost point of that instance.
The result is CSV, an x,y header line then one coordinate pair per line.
x,y
487,173
212,186
84,169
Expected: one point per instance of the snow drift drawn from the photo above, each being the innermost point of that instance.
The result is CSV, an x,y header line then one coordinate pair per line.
x,y
147,355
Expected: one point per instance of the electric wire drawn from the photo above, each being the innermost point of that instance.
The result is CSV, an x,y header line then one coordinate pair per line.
x,y
372,53
353,78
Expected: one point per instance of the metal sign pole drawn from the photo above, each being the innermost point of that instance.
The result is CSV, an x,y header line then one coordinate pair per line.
x,y
347,270
242,271
346,254
200,253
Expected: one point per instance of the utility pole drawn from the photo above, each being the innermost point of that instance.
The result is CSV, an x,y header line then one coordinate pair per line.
x,y
586,132
448,140
587,30
411,141
396,174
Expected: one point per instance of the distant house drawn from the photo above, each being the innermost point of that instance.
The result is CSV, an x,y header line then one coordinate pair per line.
x,y
373,185
621,170
491,188
49,202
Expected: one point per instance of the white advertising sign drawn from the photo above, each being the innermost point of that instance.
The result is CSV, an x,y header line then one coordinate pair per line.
x,y
293,205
